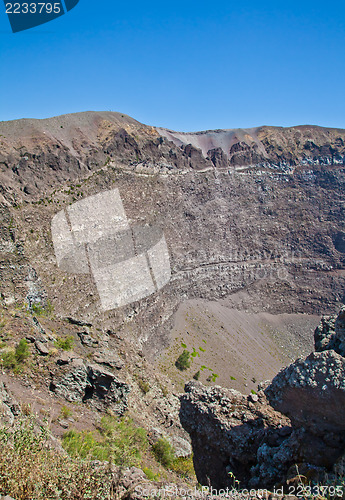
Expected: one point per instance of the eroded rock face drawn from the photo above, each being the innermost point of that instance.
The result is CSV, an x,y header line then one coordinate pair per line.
x,y
93,384
298,419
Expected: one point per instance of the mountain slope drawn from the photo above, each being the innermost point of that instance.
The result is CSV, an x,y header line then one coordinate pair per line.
x,y
261,211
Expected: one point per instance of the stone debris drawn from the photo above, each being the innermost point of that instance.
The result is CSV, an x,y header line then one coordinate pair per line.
x,y
41,348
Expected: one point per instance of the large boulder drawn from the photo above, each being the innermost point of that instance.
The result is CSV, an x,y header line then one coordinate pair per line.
x,y
91,383
311,392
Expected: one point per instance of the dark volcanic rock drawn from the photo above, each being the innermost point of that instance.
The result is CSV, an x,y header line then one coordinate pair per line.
x,y
231,434
311,392
330,334
9,407
41,348
93,384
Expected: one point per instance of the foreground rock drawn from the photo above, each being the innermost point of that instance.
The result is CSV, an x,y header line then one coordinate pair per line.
x,y
299,419
231,433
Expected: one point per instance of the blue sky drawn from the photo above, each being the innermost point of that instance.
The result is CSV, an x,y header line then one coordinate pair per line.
x,y
184,65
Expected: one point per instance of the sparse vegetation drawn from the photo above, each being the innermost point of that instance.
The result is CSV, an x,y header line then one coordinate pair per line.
x,y
196,375
183,466
65,412
31,470
183,361
152,476
22,351
117,441
42,310
65,343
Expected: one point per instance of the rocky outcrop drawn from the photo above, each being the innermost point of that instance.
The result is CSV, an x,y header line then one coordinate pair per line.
x,y
330,334
235,433
91,383
9,407
299,418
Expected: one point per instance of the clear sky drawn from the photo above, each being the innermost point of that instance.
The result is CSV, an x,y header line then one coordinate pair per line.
x,y
185,65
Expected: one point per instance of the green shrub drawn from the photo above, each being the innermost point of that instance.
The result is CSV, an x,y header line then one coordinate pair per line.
x,y
13,359
212,377
65,343
9,359
152,476
22,351
196,375
183,361
164,452
184,467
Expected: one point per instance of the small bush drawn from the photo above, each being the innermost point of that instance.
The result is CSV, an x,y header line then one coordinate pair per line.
x,y
65,343
183,361
196,375
152,476
13,359
184,467
9,359
65,412
143,385
22,351
212,377
164,452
